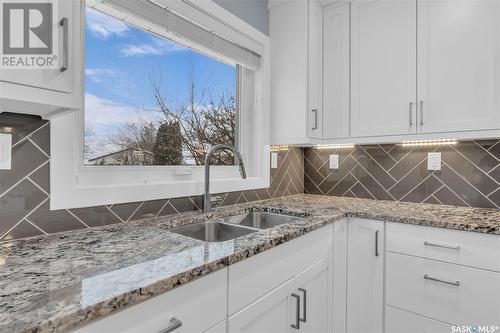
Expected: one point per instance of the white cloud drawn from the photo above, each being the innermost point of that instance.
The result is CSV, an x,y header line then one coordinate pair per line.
x,y
157,46
103,118
99,75
103,25
101,111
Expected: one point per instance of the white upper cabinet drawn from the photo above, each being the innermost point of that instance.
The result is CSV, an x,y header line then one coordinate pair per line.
x,y
47,92
296,30
383,67
336,72
458,66
315,63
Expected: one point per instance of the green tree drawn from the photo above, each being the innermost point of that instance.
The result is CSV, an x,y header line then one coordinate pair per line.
x,y
168,145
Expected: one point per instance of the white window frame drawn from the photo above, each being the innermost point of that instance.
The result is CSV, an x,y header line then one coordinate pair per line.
x,y
75,185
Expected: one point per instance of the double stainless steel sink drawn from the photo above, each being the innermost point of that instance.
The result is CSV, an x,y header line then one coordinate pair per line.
x,y
233,226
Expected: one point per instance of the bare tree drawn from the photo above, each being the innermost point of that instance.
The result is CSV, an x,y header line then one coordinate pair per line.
x,y
202,125
140,136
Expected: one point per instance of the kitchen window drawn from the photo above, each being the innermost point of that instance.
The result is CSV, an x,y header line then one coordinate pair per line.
x,y
164,81
152,101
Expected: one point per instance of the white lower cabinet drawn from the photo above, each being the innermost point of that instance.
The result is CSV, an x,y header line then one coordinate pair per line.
x,y
219,328
303,304
270,313
194,307
400,321
365,275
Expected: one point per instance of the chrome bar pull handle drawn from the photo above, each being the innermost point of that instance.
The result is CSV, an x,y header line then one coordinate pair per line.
x,y
376,243
65,62
297,312
174,324
315,119
411,114
426,243
453,283
421,113
304,304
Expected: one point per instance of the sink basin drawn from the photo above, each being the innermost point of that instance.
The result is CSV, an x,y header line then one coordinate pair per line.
x,y
260,220
212,231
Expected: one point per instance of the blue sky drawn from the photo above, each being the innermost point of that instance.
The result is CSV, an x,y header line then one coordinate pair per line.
x,y
120,62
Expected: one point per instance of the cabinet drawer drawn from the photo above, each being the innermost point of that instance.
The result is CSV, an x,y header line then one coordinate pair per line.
x,y
447,292
399,321
200,305
258,275
459,247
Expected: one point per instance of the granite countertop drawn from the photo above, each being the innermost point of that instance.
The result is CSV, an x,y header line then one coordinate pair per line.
x,y
57,282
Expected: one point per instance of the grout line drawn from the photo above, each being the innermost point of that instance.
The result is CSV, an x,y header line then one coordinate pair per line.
x,y
15,225
475,165
365,187
432,194
387,152
374,160
34,225
29,135
417,185
76,217
164,205
40,149
390,188
21,180
486,151
459,197
114,214
362,167
438,200
402,158
493,169
135,211
465,180
38,186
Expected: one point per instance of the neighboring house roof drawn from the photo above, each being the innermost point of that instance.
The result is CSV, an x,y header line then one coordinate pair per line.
x,y
119,152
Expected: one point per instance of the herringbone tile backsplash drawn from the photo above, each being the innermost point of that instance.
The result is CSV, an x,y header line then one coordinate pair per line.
x,y
25,192
470,174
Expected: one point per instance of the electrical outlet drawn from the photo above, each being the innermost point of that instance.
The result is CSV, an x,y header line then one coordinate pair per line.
x,y
334,161
433,161
5,151
274,160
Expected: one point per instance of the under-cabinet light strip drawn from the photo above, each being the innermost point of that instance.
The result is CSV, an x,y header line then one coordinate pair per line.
x,y
276,148
438,142
335,146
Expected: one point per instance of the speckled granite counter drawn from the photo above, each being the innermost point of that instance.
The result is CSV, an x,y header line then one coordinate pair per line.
x,y
54,283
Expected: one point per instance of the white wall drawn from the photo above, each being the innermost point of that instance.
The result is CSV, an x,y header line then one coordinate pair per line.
x,y
254,12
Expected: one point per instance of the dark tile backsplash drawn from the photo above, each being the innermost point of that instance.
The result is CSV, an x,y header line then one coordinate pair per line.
x,y
470,174
24,190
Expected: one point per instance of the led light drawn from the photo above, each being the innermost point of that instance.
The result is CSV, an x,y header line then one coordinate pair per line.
x,y
277,148
419,143
335,146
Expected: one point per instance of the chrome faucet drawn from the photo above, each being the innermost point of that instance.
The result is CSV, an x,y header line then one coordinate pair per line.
x,y
238,161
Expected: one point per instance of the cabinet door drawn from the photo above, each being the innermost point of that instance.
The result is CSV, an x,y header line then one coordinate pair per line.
x,y
55,79
383,67
315,65
219,328
339,276
336,72
365,275
271,313
314,285
400,321
458,65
